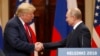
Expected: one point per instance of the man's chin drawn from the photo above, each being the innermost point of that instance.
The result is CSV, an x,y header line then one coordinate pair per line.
x,y
69,24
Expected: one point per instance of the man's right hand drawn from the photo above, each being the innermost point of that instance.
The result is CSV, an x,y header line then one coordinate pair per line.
x,y
39,46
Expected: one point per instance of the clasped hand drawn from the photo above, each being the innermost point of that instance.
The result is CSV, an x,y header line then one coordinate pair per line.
x,y
38,46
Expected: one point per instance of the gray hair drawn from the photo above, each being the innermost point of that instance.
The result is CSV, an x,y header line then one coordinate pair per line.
x,y
75,12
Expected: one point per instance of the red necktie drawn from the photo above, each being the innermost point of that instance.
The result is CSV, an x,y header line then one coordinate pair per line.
x,y
30,35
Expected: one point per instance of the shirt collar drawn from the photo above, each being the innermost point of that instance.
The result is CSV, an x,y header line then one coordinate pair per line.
x,y
76,25
21,21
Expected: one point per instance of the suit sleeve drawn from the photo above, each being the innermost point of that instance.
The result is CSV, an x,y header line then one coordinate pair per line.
x,y
11,35
85,38
55,44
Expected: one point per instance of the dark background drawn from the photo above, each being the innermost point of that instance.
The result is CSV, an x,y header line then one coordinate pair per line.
x,y
44,18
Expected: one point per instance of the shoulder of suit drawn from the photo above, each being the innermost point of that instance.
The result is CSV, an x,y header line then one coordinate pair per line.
x,y
13,21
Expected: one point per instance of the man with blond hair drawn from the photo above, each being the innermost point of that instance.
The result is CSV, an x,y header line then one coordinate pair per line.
x,y
18,40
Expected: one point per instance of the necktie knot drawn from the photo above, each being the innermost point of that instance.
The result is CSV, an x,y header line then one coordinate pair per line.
x,y
26,25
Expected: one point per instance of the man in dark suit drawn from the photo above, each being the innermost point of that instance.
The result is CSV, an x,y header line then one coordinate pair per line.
x,y
79,37
18,42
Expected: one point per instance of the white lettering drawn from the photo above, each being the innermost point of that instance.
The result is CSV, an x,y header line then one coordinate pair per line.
x,y
91,53
76,53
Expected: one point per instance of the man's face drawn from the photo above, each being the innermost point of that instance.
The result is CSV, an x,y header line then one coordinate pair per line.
x,y
28,17
70,19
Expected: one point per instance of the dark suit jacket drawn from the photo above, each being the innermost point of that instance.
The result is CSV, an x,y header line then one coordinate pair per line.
x,y
80,37
1,53
15,39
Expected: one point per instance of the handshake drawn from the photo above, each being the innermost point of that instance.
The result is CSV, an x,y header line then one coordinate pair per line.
x,y
38,46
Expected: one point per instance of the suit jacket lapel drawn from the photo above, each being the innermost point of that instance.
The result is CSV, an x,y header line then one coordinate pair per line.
x,y
21,26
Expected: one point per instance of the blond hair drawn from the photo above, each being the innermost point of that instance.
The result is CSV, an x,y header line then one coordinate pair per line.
x,y
75,12
25,8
